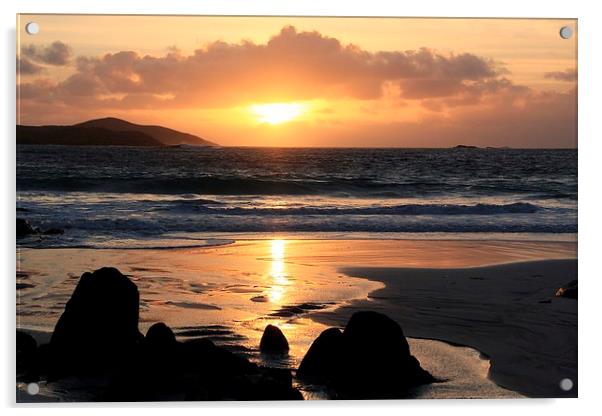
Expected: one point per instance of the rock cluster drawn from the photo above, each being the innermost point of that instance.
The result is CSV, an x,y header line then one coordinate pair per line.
x,y
97,338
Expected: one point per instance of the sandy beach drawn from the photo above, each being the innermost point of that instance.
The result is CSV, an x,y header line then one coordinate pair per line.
x,y
508,312
436,290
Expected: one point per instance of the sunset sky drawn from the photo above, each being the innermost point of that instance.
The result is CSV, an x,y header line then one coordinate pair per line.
x,y
291,81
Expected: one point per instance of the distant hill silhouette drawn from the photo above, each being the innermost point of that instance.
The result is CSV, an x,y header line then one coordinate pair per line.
x,y
107,132
71,135
163,134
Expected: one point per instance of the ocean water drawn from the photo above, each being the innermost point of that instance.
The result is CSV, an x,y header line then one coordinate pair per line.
x,y
111,197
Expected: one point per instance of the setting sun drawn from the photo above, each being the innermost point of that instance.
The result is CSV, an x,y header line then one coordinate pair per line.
x,y
277,113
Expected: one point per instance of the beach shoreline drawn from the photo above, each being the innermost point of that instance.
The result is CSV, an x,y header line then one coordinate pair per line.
x,y
249,284
530,354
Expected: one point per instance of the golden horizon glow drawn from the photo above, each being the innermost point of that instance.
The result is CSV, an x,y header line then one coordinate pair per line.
x,y
307,82
277,113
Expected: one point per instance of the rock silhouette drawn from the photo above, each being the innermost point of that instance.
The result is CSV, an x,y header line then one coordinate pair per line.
x,y
160,336
166,369
25,228
369,359
321,363
99,326
26,351
273,341
97,337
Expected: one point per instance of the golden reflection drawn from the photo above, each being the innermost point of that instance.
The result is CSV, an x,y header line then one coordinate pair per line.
x,y
278,271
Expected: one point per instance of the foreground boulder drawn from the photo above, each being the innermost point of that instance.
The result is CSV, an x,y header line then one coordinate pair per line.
x,y
322,362
99,326
369,359
273,341
26,351
568,291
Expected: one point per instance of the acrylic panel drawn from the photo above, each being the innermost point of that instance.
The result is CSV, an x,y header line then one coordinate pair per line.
x,y
295,208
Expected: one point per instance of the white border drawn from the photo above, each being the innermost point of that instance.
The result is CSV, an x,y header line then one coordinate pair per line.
x,y
590,137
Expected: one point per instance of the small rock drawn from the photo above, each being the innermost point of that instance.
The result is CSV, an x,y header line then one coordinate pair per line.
x,y
160,336
568,291
273,341
26,350
25,228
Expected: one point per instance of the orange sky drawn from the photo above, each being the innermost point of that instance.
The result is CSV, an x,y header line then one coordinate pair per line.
x,y
267,81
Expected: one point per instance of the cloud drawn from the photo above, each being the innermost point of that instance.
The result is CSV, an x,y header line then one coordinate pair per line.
x,y
57,53
448,98
544,120
569,75
292,65
26,67
497,90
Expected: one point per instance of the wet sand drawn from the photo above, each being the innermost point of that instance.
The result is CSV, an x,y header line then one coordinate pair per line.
x,y
230,293
508,312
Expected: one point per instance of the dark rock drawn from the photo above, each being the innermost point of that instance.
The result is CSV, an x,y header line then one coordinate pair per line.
x,y
99,327
53,231
371,359
568,291
202,355
321,363
270,384
378,361
26,351
160,335
273,341
24,228
197,370
375,332
155,372
97,337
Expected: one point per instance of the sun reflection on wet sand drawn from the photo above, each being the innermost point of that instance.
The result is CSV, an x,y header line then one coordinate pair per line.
x,y
277,274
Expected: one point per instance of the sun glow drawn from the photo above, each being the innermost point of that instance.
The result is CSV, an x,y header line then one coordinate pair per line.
x,y
277,113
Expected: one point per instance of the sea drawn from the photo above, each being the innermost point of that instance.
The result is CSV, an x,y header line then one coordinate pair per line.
x,y
184,196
